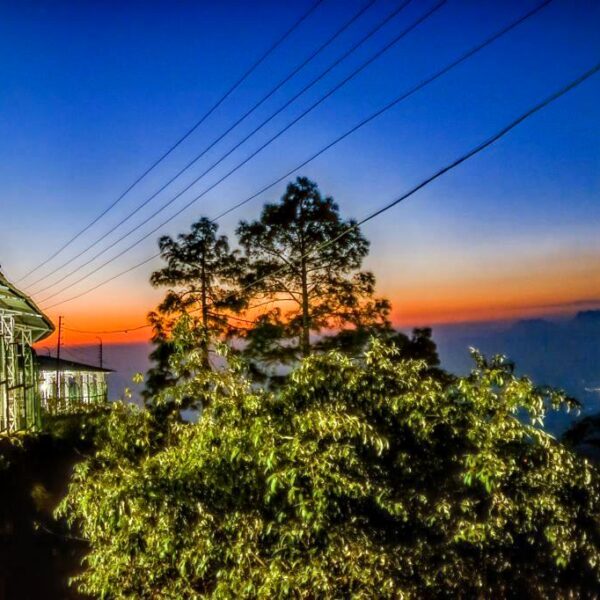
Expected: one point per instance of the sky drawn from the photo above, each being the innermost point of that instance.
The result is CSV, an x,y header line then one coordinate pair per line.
x,y
93,92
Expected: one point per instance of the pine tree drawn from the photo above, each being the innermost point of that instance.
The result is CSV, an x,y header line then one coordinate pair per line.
x,y
311,290
200,273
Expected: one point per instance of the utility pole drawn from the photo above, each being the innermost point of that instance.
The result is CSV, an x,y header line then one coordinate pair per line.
x,y
100,357
58,341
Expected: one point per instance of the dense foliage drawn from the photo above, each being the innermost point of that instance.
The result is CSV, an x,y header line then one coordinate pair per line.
x,y
361,477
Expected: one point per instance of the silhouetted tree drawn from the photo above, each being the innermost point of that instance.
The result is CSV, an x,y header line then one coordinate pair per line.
x,y
305,260
159,375
584,437
200,272
419,346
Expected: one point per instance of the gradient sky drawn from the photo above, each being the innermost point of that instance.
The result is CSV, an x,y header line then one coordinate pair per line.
x,y
92,92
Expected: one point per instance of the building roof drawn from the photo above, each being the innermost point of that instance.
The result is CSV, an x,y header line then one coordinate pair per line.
x,y
48,363
25,311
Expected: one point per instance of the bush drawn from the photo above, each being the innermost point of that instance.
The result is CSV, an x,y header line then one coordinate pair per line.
x,y
360,478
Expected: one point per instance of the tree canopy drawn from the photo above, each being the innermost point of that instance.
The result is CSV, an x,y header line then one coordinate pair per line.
x,y
200,273
361,476
298,279
305,261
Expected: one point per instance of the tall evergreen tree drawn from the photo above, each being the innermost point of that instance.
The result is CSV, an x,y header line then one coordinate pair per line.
x,y
200,273
312,291
159,375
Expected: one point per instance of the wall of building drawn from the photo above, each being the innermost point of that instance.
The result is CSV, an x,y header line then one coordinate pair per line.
x,y
19,398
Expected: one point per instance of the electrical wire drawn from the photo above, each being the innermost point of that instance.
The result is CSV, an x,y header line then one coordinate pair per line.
x,y
385,108
449,167
440,172
257,105
108,331
145,326
187,134
353,74
229,173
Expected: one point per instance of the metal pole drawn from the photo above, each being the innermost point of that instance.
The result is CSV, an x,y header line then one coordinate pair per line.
x,y
58,362
100,351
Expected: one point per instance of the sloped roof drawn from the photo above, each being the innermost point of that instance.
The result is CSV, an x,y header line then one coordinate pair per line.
x,y
25,310
48,363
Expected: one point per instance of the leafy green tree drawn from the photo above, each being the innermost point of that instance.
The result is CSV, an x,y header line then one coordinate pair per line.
x,y
311,291
200,274
419,346
362,477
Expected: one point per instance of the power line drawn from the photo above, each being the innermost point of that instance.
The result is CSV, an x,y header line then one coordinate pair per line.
x,y
389,45
187,134
405,95
494,138
165,205
136,328
140,264
287,78
362,123
449,167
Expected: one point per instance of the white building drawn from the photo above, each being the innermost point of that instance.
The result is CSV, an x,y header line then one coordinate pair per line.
x,y
69,386
22,324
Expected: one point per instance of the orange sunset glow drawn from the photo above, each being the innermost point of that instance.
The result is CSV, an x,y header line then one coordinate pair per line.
x,y
561,286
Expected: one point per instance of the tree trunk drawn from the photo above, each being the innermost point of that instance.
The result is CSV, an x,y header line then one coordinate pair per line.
x,y
204,308
305,335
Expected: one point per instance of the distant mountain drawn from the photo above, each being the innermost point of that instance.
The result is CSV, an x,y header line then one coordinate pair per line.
x,y
588,317
126,360
563,353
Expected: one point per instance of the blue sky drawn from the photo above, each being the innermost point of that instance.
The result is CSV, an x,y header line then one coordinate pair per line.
x,y
94,91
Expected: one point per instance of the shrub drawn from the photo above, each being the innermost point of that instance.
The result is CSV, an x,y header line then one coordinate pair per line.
x,y
360,478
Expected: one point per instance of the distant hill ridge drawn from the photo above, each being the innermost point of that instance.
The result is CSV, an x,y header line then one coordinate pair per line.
x,y
588,316
563,353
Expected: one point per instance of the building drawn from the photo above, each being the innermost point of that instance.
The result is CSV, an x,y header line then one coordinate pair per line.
x,y
33,386
22,324
67,386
